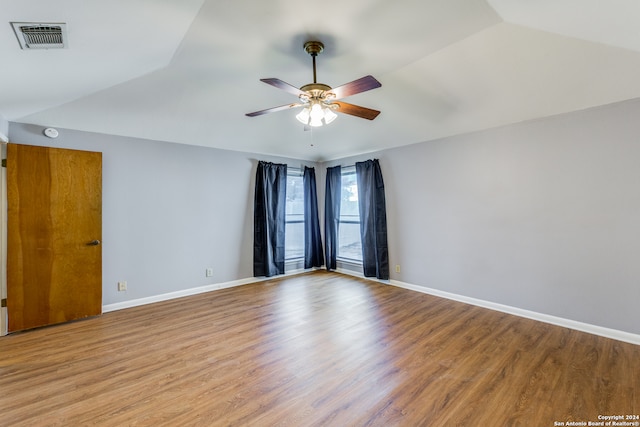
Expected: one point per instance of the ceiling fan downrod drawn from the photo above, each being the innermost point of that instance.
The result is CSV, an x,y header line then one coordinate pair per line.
x,y
315,91
313,48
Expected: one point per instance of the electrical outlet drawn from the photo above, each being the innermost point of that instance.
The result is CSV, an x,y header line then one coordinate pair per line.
x,y
397,268
209,272
122,286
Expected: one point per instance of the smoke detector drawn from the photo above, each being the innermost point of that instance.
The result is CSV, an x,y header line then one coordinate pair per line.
x,y
41,35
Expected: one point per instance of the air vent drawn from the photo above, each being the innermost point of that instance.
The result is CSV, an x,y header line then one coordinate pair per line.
x,y
41,35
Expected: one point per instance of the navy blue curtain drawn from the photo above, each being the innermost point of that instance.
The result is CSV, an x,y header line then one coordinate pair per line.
x,y
373,219
332,195
313,254
269,219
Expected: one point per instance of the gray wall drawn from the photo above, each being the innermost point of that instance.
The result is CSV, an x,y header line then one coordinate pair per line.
x,y
169,211
4,129
542,216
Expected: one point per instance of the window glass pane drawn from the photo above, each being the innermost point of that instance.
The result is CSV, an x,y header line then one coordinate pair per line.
x,y
349,244
349,197
294,227
294,240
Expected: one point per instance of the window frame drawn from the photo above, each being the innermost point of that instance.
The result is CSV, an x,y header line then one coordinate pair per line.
x,y
348,170
294,172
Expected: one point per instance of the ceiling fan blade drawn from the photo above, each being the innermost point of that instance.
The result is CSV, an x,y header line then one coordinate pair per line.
x,y
284,86
357,86
274,109
356,110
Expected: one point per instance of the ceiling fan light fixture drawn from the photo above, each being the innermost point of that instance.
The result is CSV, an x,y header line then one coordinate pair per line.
x,y
316,115
329,116
315,122
316,112
303,116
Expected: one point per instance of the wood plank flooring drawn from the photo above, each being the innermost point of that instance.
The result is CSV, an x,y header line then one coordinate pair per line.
x,y
317,349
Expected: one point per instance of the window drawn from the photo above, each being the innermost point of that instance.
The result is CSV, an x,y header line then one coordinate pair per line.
x,y
349,243
294,219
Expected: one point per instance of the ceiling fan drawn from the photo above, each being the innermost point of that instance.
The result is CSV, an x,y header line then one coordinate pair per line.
x,y
320,101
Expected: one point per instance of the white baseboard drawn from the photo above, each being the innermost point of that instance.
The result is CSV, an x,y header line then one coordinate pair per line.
x,y
558,321
173,295
361,275
191,291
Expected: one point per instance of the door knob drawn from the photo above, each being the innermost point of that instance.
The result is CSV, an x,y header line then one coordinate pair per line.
x,y
93,243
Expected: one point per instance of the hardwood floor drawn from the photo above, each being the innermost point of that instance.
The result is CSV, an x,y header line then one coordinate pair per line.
x,y
318,349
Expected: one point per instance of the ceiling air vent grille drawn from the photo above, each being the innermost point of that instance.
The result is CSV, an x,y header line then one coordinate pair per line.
x,y
34,35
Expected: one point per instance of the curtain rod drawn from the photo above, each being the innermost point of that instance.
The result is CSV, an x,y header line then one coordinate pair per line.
x,y
345,167
302,166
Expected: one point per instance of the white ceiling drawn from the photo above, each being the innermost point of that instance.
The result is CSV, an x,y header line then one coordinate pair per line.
x,y
187,71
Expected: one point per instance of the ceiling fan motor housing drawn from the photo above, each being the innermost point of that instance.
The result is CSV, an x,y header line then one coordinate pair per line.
x,y
316,91
313,47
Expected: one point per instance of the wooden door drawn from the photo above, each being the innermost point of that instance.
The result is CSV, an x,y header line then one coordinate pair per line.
x,y
54,256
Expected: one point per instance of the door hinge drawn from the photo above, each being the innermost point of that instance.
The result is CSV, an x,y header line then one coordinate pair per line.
x,y
3,302
4,163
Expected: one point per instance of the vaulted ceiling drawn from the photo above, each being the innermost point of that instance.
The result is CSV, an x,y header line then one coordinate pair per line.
x,y
187,71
